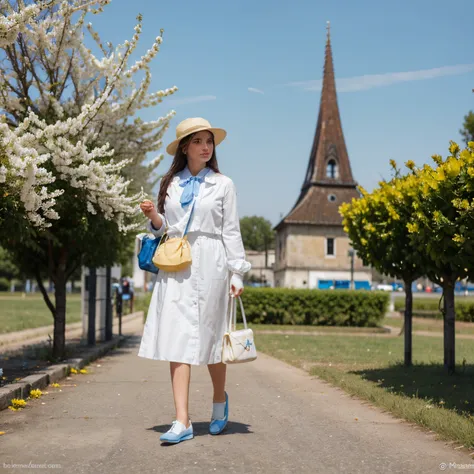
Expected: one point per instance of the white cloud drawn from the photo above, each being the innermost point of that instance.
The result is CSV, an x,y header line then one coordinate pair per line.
x,y
257,91
359,83
191,100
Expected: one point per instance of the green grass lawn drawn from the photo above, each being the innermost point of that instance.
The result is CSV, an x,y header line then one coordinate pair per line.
x,y
372,368
430,324
18,313
303,328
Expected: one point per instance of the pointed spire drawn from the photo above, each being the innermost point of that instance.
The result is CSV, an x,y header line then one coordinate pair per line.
x,y
329,141
328,180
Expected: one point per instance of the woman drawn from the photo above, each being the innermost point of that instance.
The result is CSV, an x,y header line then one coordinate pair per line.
x,y
186,320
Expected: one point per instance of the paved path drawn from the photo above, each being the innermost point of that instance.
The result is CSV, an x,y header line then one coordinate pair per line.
x,y
282,421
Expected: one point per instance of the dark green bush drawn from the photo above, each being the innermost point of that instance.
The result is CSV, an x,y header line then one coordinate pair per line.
x,y
4,284
315,307
428,308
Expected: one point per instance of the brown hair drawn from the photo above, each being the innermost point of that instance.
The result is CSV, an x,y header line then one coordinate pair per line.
x,y
179,163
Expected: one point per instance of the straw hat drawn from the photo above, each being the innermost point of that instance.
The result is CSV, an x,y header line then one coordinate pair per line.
x,y
193,125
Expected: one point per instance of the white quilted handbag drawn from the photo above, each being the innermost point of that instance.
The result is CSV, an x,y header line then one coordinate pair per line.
x,y
238,346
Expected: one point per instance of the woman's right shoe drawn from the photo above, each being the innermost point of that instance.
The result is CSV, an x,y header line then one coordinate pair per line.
x,y
177,433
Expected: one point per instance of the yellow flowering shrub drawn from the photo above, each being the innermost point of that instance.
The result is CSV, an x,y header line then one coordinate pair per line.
x,y
36,393
17,404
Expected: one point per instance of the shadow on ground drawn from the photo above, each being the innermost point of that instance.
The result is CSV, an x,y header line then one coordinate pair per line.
x,y
34,358
201,428
428,381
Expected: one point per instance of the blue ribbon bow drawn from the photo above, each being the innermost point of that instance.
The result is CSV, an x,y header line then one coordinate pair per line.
x,y
191,188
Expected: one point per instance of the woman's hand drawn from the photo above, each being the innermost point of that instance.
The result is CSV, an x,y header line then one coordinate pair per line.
x,y
148,208
236,285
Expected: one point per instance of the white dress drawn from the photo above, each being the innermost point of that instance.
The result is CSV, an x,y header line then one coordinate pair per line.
x,y
186,320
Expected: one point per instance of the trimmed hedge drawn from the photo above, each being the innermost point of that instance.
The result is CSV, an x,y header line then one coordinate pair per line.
x,y
428,308
315,307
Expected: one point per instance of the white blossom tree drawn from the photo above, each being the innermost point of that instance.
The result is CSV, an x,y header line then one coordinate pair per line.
x,y
68,130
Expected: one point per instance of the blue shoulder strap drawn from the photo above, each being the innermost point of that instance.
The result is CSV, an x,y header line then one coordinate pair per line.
x,y
192,209
190,217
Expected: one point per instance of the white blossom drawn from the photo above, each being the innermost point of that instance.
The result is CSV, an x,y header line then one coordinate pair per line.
x,y
92,102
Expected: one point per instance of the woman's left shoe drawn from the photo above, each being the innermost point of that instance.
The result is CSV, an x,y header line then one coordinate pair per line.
x,y
217,426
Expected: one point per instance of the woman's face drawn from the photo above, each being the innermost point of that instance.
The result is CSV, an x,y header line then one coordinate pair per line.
x,y
200,148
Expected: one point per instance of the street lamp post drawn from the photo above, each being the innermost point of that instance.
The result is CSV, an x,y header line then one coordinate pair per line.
x,y
351,253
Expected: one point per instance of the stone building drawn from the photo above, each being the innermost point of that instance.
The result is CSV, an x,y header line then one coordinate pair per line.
x,y
312,249
262,266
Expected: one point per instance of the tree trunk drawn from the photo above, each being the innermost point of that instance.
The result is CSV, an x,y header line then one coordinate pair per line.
x,y
449,318
59,343
408,322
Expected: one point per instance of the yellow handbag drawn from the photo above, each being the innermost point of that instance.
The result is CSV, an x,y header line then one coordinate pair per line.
x,y
174,254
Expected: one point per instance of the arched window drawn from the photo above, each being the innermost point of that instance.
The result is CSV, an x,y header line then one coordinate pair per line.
x,y
331,169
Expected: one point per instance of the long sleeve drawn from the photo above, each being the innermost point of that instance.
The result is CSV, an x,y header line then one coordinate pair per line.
x,y
157,232
231,235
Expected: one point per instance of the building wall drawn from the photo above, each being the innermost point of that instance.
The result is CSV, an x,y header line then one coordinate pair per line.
x,y
259,270
301,258
293,278
305,246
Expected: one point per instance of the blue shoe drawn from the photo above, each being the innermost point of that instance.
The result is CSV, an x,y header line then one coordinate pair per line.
x,y
177,433
217,426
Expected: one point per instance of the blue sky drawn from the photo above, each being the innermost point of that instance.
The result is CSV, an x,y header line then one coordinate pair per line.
x,y
214,51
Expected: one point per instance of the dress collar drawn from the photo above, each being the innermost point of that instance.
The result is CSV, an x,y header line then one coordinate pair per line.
x,y
209,175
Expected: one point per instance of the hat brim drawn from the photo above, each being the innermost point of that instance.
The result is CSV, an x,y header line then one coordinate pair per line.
x,y
219,135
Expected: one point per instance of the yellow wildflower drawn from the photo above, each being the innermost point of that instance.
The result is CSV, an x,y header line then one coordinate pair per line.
x,y
73,370
83,371
18,403
36,393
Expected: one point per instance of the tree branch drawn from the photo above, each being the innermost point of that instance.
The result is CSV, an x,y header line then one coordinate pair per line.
x,y
45,293
73,268
26,52
55,68
68,72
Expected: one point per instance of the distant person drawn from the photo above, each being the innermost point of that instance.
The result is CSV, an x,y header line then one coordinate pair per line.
x,y
186,319
127,294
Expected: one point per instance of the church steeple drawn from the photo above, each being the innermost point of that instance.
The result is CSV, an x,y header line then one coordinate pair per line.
x,y
328,161
328,181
